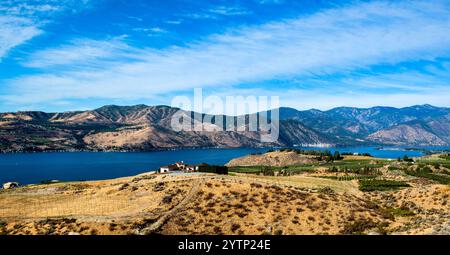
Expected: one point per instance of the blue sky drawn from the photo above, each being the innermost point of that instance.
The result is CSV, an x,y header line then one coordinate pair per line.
x,y
58,55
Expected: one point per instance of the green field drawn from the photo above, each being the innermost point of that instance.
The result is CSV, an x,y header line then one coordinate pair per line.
x,y
381,185
367,171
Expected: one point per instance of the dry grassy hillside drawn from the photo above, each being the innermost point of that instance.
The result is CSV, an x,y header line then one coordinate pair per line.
x,y
275,158
213,204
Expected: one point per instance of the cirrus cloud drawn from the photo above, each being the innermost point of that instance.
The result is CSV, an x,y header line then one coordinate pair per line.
x,y
339,40
20,21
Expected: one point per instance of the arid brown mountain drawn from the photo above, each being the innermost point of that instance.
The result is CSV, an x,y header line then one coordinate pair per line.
x,y
143,127
137,127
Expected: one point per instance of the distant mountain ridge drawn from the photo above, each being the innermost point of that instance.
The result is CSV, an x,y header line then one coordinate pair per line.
x,y
143,127
352,125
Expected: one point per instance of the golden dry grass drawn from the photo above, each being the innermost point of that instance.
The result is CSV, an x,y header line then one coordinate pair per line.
x,y
358,157
306,182
99,201
240,204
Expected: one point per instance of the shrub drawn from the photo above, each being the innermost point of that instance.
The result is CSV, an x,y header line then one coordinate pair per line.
x,y
209,196
167,199
436,165
241,214
402,211
144,177
211,204
124,186
159,186
392,168
358,227
326,190
255,185
278,232
112,226
235,227
217,230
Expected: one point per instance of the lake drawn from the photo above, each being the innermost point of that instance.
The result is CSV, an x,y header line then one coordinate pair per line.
x,y
27,168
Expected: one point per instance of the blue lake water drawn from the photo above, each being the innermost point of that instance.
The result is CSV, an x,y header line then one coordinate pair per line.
x,y
27,168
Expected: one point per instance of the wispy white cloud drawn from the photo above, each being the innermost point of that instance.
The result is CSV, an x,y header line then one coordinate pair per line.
x,y
20,21
24,8
270,1
136,18
82,53
337,40
199,15
150,31
302,99
15,31
218,11
331,96
229,10
174,22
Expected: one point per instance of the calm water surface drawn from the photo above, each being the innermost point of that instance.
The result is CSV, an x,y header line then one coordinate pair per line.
x,y
27,168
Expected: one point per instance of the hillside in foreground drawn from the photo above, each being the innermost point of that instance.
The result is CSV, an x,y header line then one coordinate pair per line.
x,y
355,195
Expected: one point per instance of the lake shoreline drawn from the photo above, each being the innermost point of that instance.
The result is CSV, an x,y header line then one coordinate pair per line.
x,y
421,148
30,167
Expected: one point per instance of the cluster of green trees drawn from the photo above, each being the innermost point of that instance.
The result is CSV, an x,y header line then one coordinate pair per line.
x,y
267,171
445,156
327,156
426,172
213,169
405,159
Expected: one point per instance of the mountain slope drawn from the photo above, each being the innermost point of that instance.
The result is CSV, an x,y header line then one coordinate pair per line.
x,y
137,127
415,133
144,127
352,125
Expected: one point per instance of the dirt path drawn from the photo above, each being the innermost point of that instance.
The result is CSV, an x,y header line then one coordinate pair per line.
x,y
160,222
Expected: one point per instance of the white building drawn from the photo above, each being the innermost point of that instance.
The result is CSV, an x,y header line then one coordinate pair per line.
x,y
166,169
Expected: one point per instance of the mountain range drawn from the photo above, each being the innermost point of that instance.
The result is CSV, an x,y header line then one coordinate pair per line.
x,y
144,128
